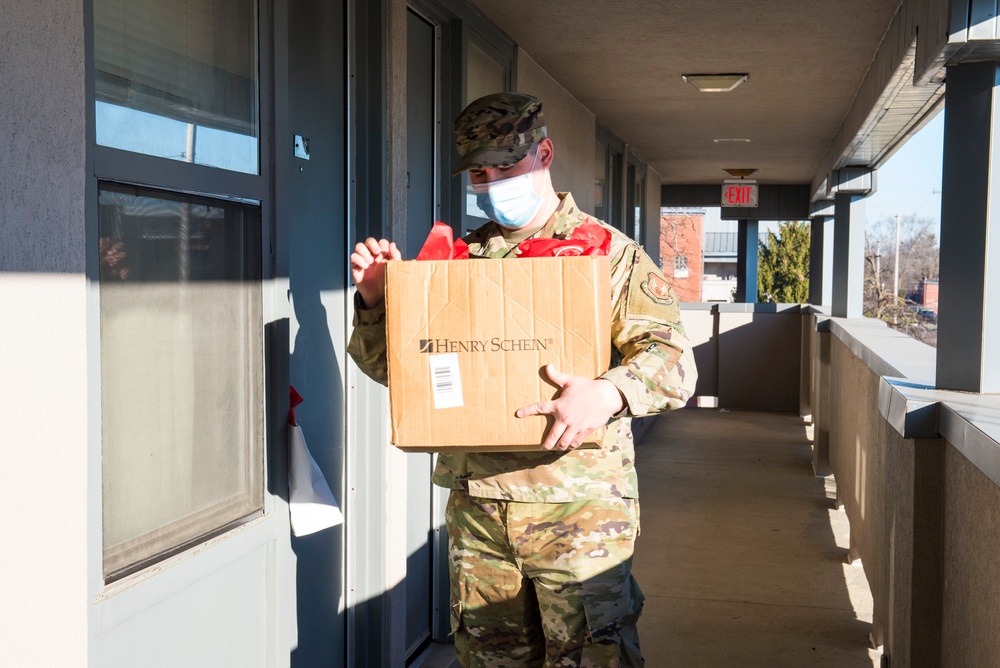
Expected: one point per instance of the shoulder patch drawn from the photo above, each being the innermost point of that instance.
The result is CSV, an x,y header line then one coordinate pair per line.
x,y
658,289
650,296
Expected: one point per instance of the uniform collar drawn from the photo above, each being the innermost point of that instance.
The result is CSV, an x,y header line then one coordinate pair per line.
x,y
491,240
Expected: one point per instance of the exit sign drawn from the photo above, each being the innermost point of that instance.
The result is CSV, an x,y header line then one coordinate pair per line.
x,y
739,193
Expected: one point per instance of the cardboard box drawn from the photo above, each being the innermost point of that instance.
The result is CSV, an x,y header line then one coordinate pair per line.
x,y
467,341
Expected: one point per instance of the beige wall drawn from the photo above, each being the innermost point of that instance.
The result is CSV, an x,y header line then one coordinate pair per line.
x,y
571,126
43,337
701,325
857,458
722,334
971,609
893,490
767,378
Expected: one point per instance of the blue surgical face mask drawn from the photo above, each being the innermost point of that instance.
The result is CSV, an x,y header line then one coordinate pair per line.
x,y
512,202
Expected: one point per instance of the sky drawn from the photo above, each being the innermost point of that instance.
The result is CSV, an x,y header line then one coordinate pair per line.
x,y
908,183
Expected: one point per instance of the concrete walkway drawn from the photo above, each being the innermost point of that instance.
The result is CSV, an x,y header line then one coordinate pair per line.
x,y
742,554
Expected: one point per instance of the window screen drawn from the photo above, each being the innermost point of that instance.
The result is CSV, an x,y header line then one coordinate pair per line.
x,y
181,370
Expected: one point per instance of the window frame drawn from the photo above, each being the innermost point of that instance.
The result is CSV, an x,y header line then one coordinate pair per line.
x,y
614,176
107,164
636,188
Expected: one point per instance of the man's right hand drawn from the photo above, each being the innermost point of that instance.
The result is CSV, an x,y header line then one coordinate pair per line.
x,y
368,268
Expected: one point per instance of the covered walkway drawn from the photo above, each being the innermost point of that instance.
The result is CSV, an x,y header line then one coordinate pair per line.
x,y
743,555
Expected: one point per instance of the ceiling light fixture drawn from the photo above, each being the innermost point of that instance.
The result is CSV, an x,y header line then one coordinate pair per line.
x,y
740,173
715,83
731,140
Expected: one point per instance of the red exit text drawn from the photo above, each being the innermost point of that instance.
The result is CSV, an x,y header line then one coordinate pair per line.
x,y
739,194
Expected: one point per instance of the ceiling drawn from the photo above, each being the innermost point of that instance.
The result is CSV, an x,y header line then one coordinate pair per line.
x,y
806,60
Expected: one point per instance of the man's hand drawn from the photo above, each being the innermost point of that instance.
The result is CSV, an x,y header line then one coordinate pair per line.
x,y
368,268
582,405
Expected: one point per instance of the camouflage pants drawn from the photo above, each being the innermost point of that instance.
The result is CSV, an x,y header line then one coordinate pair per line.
x,y
543,584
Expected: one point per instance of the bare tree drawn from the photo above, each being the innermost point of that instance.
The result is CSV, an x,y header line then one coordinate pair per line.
x,y
891,280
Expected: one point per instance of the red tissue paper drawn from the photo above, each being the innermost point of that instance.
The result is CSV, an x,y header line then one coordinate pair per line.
x,y
294,400
441,246
588,239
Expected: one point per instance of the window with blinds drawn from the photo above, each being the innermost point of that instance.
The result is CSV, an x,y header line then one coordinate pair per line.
x,y
179,79
182,381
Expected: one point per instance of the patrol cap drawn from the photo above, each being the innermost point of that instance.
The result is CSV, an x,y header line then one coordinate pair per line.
x,y
498,130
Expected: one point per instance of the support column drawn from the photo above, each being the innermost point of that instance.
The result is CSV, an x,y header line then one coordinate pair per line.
x,y
848,256
821,260
746,262
969,303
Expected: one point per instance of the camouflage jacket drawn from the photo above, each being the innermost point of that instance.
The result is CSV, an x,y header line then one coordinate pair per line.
x,y
652,366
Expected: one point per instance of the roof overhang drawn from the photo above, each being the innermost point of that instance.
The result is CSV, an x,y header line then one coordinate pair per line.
x,y
832,86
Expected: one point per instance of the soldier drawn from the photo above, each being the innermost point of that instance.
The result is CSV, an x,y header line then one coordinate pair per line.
x,y
540,543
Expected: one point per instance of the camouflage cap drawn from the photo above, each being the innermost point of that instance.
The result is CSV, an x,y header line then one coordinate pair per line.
x,y
498,130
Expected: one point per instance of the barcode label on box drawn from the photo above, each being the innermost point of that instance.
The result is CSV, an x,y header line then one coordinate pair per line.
x,y
446,381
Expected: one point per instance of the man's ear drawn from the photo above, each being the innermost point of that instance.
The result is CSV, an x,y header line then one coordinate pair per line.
x,y
546,152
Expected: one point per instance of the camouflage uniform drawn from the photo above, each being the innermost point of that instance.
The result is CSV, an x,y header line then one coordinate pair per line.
x,y
541,542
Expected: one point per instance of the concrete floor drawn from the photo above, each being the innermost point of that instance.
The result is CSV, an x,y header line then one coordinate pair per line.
x,y
742,555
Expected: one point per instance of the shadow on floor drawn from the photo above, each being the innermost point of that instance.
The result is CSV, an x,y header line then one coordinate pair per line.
x,y
742,554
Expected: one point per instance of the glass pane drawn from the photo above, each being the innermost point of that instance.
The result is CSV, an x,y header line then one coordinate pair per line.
x,y
181,370
178,79
613,196
483,76
600,179
639,202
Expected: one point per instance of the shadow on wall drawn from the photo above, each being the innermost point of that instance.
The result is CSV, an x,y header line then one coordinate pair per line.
x,y
748,359
315,373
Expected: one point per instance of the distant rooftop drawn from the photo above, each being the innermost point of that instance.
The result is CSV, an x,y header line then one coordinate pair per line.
x,y
682,211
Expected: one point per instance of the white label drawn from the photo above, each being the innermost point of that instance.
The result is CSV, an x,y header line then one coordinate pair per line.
x,y
446,381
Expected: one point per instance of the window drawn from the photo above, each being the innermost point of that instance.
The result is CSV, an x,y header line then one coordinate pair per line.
x,y
178,80
609,201
484,74
680,266
180,275
638,174
600,180
181,370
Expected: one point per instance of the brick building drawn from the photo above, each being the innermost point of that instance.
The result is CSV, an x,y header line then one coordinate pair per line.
x,y
927,294
681,235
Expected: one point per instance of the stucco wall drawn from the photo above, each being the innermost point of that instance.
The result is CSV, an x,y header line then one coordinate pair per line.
x,y
971,608
43,330
722,335
758,357
857,458
701,325
571,126
892,490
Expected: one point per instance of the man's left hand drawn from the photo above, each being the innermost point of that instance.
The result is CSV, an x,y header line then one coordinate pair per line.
x,y
581,406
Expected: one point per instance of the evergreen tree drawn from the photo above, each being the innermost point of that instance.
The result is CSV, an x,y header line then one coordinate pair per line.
x,y
783,265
